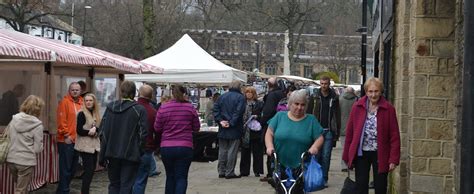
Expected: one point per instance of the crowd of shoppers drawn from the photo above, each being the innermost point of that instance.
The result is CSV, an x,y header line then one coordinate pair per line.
x,y
287,122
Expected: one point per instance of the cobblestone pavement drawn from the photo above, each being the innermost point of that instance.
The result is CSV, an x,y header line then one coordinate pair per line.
x,y
203,179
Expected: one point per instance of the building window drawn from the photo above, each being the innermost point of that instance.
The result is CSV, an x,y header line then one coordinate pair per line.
x,y
219,45
270,69
49,33
322,50
308,71
247,66
270,47
295,70
301,48
245,45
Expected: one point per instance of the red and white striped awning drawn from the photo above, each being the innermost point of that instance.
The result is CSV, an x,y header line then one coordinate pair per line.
x,y
22,45
13,48
145,67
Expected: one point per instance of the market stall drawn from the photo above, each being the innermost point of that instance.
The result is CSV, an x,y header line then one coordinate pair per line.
x,y
187,62
45,68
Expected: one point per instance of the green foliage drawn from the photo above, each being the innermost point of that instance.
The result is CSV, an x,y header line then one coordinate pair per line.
x,y
334,77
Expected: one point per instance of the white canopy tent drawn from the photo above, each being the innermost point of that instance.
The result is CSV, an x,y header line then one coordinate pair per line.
x,y
187,62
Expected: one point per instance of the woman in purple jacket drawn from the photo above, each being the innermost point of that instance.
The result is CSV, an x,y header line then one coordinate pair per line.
x,y
176,121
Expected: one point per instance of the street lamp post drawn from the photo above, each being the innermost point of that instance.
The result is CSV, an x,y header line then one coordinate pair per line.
x,y
84,25
72,15
363,31
257,51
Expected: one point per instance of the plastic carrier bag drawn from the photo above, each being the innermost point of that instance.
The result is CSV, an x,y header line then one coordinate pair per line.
x,y
313,176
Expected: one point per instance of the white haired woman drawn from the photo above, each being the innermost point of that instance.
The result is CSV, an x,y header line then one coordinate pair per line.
x,y
293,132
372,138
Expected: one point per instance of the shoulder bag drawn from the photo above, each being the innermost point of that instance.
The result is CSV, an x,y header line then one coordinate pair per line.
x,y
4,145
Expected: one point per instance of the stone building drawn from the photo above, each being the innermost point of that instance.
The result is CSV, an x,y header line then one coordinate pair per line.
x,y
315,52
419,49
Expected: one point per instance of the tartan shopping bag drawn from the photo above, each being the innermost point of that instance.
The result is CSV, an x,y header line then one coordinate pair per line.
x,y
4,145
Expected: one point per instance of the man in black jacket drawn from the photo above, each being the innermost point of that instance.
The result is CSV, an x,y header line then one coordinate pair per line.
x,y
274,95
124,129
324,105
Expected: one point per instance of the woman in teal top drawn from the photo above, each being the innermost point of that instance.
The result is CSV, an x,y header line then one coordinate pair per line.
x,y
291,133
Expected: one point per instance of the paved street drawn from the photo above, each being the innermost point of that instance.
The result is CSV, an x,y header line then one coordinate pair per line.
x,y
203,180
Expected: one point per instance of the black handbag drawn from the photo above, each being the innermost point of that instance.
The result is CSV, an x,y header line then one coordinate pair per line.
x,y
349,186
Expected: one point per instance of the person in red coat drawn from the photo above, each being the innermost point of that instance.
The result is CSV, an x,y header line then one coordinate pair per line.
x,y
372,138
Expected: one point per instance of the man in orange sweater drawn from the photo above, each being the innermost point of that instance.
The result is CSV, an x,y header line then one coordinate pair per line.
x,y
67,111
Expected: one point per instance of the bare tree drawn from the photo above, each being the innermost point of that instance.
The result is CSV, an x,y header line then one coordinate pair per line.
x,y
342,52
170,20
341,17
116,26
294,16
209,15
149,26
19,13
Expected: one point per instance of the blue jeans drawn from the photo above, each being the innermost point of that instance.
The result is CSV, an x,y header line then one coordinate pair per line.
x,y
68,159
324,157
153,169
122,174
142,174
176,161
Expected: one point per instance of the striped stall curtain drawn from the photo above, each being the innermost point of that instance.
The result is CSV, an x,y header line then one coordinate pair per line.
x,y
46,170
53,164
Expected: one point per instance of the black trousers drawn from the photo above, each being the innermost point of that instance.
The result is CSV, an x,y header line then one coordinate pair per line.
x,y
122,174
362,170
255,150
89,162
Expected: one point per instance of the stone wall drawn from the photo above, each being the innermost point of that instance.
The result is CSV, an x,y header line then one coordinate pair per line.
x,y
425,98
401,53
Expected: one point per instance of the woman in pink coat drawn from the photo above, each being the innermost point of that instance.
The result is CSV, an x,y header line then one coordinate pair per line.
x,y
372,138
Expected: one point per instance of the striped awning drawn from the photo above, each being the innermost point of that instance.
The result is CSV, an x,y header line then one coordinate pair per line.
x,y
22,45
14,48
145,67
